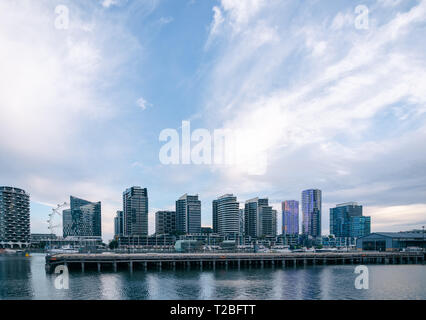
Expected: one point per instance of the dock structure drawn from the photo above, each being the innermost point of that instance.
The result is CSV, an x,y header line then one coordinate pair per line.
x,y
201,261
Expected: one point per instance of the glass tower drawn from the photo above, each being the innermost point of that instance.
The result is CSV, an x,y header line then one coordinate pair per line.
x,y
83,219
290,217
188,214
311,211
135,211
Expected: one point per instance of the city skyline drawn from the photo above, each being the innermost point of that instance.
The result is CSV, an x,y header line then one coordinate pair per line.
x,y
320,102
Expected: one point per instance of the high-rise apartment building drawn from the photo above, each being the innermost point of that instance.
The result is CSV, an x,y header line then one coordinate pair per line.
x,y
14,217
165,222
259,218
227,213
83,219
135,211
188,214
311,211
214,217
290,217
119,224
241,222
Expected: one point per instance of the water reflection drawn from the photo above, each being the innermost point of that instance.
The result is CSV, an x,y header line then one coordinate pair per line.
x,y
25,278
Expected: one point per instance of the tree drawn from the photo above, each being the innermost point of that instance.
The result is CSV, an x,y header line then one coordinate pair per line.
x,y
113,244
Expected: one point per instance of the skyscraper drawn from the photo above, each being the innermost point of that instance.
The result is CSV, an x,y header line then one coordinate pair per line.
x,y
135,211
241,222
311,211
340,218
83,219
188,214
268,221
290,217
119,224
346,220
214,217
14,217
66,222
258,218
165,222
227,209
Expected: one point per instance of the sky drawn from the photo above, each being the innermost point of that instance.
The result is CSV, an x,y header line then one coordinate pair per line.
x,y
320,94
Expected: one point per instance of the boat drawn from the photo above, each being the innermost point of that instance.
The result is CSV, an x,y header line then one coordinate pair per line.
x,y
281,249
64,249
7,251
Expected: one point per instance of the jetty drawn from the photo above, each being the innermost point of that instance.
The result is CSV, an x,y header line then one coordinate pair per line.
x,y
158,261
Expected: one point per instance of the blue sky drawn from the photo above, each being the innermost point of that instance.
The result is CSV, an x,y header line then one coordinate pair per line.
x,y
331,106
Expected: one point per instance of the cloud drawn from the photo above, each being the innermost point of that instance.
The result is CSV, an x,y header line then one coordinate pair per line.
x,y
143,104
59,121
165,20
320,103
111,3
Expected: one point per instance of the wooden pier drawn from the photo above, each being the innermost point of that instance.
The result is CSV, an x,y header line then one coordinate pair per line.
x,y
173,261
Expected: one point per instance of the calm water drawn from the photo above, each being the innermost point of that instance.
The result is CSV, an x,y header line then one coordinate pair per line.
x,y
25,278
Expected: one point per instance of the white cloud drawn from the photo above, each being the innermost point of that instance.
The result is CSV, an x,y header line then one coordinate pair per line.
x,y
319,124
52,103
143,104
110,3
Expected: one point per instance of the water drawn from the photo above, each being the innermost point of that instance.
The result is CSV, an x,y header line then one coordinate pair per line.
x,y
25,278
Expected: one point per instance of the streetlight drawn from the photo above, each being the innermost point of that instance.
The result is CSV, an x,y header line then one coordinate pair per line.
x,y
423,243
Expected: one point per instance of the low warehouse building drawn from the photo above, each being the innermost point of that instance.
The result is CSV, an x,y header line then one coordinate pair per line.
x,y
391,241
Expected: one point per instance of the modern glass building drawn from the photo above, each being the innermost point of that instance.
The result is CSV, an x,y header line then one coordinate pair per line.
x,y
119,224
241,221
66,222
341,218
311,212
290,217
214,217
258,218
83,219
227,209
165,222
14,218
135,211
360,227
188,214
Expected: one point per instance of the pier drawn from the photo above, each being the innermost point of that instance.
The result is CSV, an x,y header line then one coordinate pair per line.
x,y
201,261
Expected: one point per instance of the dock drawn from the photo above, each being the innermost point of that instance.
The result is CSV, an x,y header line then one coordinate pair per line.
x,y
173,261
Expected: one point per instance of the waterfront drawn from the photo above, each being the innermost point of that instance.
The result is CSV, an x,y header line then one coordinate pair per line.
x,y
25,278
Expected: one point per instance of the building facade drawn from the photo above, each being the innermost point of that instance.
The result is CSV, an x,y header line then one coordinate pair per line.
x,y
290,217
135,211
83,219
188,214
259,218
14,218
311,212
165,222
346,220
360,227
215,222
119,224
241,222
340,218
227,209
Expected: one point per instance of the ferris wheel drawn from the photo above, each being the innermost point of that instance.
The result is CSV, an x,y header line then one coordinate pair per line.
x,y
55,218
